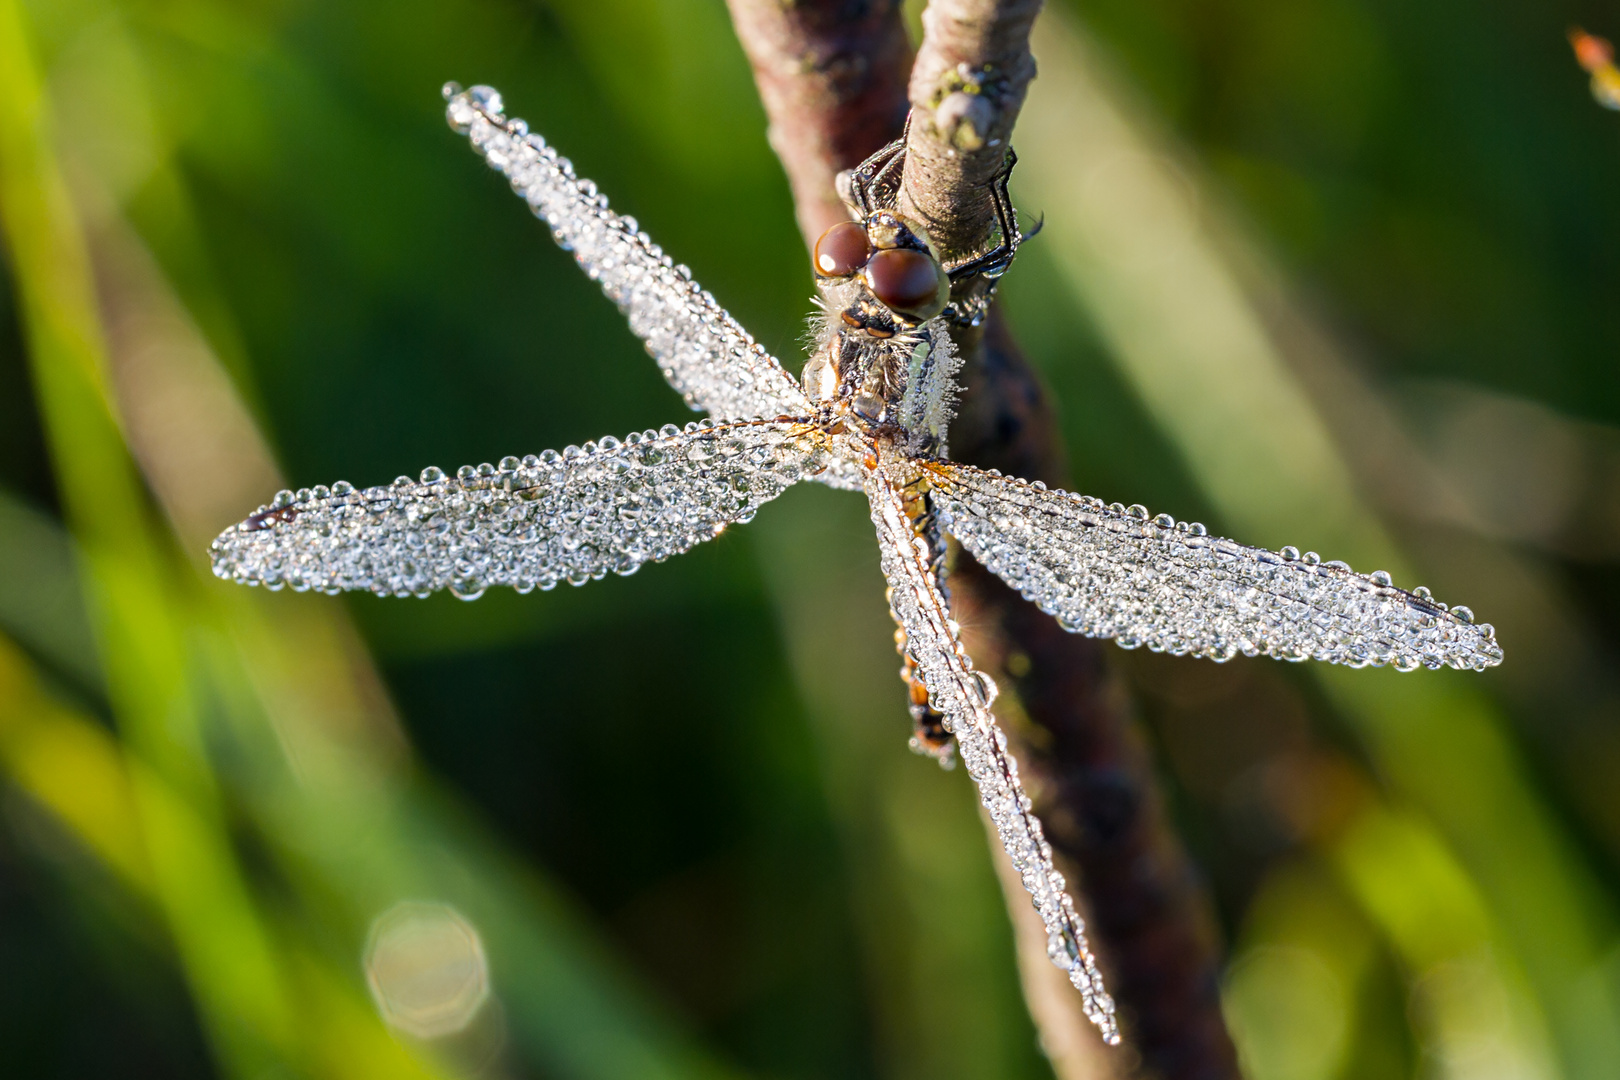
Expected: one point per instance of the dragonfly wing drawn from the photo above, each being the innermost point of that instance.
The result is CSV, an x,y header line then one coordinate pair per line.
x,y
1111,572
704,353
573,516
964,697
844,473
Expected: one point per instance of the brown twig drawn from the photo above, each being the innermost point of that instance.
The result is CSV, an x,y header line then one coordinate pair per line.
x,y
831,74
967,87
1068,715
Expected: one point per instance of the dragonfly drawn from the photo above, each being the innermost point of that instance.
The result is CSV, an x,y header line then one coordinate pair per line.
x,y
870,412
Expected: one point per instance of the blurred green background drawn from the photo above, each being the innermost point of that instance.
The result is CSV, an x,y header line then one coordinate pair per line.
x,y
1335,273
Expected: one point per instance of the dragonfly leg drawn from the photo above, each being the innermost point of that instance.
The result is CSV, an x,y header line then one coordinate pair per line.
x,y
993,263
872,185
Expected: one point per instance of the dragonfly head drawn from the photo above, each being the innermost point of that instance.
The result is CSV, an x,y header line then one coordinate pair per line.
x,y
897,266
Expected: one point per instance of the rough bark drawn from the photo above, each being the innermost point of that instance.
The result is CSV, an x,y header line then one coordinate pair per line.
x,y
1068,715
967,86
832,76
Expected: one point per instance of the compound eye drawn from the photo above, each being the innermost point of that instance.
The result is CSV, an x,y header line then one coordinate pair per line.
x,y
909,283
842,250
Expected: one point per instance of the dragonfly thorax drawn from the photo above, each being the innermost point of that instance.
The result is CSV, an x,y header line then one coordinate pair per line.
x,y
896,386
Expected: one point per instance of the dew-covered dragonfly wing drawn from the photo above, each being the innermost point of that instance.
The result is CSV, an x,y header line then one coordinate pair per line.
x,y
530,523
706,355
1113,571
964,697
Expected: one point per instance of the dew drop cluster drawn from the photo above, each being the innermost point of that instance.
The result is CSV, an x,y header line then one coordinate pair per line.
x,y
605,507
1113,571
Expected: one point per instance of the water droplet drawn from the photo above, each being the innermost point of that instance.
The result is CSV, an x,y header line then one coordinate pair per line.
x,y
487,98
467,588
